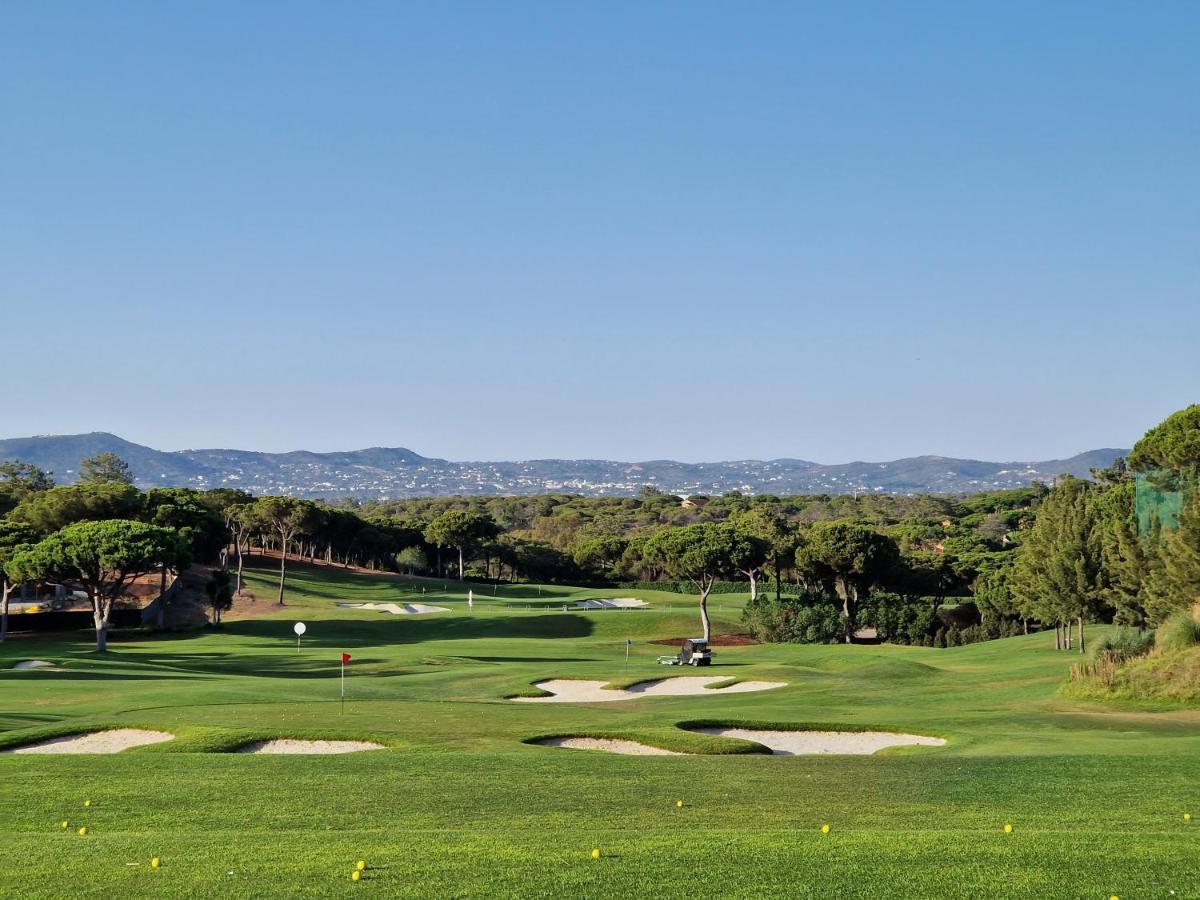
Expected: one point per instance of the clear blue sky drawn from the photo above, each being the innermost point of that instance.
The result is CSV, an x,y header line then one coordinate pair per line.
x,y
619,229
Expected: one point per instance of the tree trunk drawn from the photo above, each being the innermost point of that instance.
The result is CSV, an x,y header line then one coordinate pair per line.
x,y
753,585
240,583
849,603
1070,634
7,592
282,573
101,619
162,589
704,589
461,572
1081,642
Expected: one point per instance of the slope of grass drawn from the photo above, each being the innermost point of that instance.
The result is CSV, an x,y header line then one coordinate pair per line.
x,y
460,805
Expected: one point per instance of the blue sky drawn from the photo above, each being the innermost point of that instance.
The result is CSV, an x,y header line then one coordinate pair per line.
x,y
625,230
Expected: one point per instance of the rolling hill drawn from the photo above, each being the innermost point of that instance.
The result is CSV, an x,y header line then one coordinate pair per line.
x,y
400,472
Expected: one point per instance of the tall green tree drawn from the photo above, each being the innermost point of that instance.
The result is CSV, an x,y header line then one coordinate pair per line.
x,y
19,480
102,559
14,538
770,541
1173,444
54,509
105,468
701,554
463,530
1177,585
852,558
1058,576
286,517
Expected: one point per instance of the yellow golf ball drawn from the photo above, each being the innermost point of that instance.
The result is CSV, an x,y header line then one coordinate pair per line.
x,y
1007,828
824,829
356,875
66,824
87,802
83,830
360,865
596,853
1187,817
155,863
679,803
1114,897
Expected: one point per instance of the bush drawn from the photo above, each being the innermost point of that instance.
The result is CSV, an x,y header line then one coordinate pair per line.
x,y
1125,643
1179,632
809,619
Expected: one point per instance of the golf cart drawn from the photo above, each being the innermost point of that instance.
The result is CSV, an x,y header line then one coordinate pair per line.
x,y
695,652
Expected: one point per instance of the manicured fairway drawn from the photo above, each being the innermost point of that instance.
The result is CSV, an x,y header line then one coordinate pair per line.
x,y
459,805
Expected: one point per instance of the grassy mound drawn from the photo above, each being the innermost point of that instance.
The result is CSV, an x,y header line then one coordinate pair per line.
x,y
1128,668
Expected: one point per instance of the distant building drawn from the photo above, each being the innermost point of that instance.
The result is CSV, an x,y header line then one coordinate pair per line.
x,y
696,502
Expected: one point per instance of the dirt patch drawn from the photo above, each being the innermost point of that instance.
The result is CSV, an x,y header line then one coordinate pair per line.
x,y
719,640
113,741
564,690
293,745
608,745
802,743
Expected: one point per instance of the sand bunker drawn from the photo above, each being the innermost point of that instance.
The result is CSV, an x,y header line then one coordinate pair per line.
x,y
37,664
798,743
291,745
113,741
397,609
609,745
565,690
618,603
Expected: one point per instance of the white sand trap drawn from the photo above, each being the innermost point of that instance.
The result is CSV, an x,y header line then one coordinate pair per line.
x,y
609,745
799,743
618,603
291,745
113,741
37,664
397,609
564,690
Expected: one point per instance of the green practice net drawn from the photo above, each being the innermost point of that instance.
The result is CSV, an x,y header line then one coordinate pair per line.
x,y
1157,495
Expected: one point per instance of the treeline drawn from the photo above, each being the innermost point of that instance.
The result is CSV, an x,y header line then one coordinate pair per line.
x,y
918,569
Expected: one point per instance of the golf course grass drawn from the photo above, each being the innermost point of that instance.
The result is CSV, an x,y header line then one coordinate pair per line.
x,y
460,803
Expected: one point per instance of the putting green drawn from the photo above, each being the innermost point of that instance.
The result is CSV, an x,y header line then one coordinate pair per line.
x,y
458,803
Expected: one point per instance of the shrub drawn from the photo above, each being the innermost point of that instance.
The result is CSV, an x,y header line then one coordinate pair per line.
x,y
1179,632
1125,643
809,619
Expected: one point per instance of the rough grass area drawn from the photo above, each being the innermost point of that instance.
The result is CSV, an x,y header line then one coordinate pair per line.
x,y
460,805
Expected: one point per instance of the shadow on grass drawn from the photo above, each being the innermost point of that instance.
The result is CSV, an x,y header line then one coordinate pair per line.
x,y
337,633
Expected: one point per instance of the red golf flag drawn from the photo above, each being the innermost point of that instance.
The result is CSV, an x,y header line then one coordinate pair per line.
x,y
345,658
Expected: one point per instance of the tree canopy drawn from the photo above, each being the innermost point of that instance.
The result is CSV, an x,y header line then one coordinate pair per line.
x,y
102,558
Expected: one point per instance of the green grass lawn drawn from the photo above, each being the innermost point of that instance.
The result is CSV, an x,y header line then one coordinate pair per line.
x,y
459,805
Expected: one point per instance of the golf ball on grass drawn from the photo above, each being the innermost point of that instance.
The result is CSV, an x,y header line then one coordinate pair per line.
x,y
83,831
360,865
1187,817
824,829
1007,828
155,863
65,825
596,853
356,875
87,803
679,803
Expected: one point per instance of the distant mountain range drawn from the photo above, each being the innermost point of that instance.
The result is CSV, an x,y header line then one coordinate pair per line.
x,y
397,472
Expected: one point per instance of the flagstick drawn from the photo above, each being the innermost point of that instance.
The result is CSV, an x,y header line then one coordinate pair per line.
x,y
343,689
